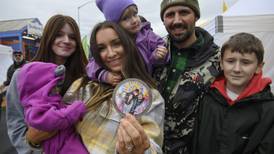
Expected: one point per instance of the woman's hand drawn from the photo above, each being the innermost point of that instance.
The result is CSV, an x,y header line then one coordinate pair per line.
x,y
131,137
36,136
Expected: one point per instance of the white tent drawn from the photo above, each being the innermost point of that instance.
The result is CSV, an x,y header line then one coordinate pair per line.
x,y
252,16
5,61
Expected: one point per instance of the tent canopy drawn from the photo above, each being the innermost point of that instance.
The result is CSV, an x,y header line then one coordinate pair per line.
x,y
251,7
251,16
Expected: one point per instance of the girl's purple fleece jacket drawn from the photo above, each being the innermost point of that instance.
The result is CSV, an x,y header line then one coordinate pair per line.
x,y
45,111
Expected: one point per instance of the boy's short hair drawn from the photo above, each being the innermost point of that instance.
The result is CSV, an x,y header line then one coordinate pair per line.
x,y
244,43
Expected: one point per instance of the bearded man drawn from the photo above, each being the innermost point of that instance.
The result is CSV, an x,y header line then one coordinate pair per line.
x,y
194,65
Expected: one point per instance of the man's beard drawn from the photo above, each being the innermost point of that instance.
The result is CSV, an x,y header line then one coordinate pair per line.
x,y
184,36
18,61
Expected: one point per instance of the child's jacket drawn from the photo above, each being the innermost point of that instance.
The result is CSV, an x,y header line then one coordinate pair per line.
x,y
245,126
46,111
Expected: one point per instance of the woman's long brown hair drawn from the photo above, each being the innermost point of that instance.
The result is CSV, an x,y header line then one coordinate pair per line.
x,y
76,63
133,64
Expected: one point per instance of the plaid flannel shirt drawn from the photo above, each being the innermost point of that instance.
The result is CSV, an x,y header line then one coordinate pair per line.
x,y
99,127
176,68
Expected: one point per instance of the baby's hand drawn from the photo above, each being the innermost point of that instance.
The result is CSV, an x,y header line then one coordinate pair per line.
x,y
160,53
113,78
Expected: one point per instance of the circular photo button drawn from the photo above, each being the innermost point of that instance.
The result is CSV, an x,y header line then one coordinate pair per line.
x,y
132,96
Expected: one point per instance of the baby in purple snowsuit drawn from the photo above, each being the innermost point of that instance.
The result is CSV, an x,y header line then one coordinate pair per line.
x,y
44,110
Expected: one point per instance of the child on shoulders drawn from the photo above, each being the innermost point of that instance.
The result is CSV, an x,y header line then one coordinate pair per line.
x,y
151,46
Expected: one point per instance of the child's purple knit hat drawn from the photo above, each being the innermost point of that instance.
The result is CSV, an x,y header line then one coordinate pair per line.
x,y
37,79
113,9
